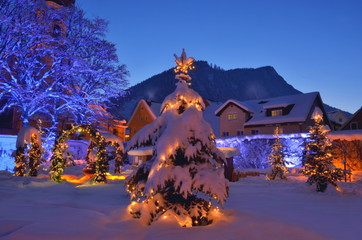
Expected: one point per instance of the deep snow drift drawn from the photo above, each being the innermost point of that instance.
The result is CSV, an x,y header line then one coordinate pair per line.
x,y
37,208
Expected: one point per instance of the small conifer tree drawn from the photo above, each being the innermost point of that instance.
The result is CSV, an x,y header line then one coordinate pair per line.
x,y
318,158
276,159
34,156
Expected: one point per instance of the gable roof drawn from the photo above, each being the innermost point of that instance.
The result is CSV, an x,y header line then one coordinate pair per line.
x,y
350,120
152,108
302,104
237,103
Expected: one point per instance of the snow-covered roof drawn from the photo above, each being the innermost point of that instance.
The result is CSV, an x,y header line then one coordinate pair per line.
x,y
277,104
337,116
237,103
302,104
144,151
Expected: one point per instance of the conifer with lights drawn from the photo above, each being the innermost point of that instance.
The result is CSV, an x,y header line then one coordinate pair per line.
x,y
318,158
34,156
185,176
276,159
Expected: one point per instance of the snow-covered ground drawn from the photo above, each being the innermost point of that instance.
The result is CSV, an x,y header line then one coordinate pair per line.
x,y
37,208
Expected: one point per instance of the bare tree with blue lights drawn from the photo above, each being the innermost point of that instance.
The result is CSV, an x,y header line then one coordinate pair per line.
x,y
55,63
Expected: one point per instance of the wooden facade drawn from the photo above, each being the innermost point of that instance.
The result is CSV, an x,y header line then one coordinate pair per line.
x,y
144,113
355,122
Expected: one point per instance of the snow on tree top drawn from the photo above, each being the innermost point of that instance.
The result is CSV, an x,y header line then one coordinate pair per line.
x,y
182,95
24,136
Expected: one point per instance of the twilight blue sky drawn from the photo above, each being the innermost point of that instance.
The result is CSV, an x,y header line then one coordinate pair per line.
x,y
315,45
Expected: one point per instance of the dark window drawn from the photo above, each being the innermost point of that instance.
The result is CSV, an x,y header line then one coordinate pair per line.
x,y
354,125
239,133
225,134
254,132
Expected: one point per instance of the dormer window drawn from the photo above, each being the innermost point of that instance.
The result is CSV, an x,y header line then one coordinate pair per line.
x,y
277,112
278,109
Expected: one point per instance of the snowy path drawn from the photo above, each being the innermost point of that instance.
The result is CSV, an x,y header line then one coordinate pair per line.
x,y
257,209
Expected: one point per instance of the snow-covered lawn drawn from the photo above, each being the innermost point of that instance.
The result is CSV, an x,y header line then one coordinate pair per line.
x,y
36,208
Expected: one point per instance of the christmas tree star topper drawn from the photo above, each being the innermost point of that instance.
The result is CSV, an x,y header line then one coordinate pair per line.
x,y
184,64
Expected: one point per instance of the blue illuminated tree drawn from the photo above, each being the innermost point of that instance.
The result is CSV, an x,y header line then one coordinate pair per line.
x,y
55,63
30,64
95,76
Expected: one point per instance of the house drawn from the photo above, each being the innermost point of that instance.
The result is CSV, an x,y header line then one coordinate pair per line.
x,y
144,113
355,122
337,118
292,114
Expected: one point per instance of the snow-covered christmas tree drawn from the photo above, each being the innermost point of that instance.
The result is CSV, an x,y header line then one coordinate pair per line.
x,y
185,175
318,158
276,159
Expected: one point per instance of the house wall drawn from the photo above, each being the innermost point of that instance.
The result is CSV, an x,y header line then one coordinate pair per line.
x,y
285,128
10,122
232,126
140,118
356,119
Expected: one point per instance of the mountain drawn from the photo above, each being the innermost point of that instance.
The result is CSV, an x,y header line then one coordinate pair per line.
x,y
212,83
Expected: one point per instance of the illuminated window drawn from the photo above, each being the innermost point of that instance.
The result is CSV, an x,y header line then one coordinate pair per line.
x,y
232,116
277,112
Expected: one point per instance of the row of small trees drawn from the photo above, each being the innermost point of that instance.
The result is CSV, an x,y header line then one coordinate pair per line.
x,y
28,155
318,166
